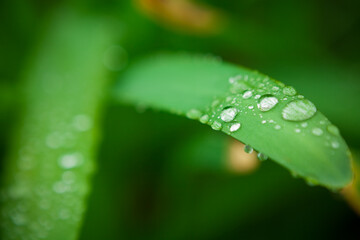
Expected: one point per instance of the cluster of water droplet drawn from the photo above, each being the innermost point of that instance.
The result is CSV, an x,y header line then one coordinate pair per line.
x,y
36,204
255,95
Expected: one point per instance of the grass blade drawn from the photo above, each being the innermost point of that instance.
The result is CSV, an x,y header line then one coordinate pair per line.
x,y
251,107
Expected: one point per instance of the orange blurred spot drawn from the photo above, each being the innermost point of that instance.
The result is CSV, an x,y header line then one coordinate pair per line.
x,y
182,15
352,191
352,196
239,161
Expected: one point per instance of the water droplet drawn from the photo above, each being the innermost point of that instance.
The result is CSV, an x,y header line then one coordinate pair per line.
x,y
262,157
304,124
335,144
275,88
247,94
251,107
70,160
193,114
82,122
277,127
263,121
204,119
300,96
216,126
228,114
235,127
298,110
248,149
257,96
333,130
317,131
290,91
297,130
267,103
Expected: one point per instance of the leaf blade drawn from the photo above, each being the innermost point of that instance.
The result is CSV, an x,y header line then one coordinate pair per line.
x,y
181,84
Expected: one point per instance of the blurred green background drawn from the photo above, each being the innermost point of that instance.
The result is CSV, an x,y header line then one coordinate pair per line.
x,y
165,177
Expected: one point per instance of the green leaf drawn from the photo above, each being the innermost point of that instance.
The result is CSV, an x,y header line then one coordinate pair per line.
x,y
273,118
48,169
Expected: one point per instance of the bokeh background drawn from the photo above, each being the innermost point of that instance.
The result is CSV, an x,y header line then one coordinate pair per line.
x,y
165,177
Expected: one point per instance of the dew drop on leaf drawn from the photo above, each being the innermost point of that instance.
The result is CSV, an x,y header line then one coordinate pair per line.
x,y
333,130
234,127
247,94
298,110
248,149
262,157
204,119
290,91
228,114
216,126
267,103
335,144
193,114
71,160
317,131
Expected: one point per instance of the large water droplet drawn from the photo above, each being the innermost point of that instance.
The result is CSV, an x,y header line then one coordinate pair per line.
x,y
228,114
317,131
235,127
290,91
248,149
262,157
193,114
216,126
298,110
267,103
333,130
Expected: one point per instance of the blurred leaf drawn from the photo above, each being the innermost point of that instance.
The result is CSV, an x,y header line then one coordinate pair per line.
x,y
252,108
48,169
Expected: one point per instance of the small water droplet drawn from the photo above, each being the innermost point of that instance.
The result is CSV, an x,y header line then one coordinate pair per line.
x,y
248,149
257,96
277,127
262,156
297,130
71,160
234,127
335,144
300,96
304,124
247,94
298,110
82,122
267,103
275,88
204,119
228,114
193,114
216,125
333,130
263,121
251,107
290,91
317,131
